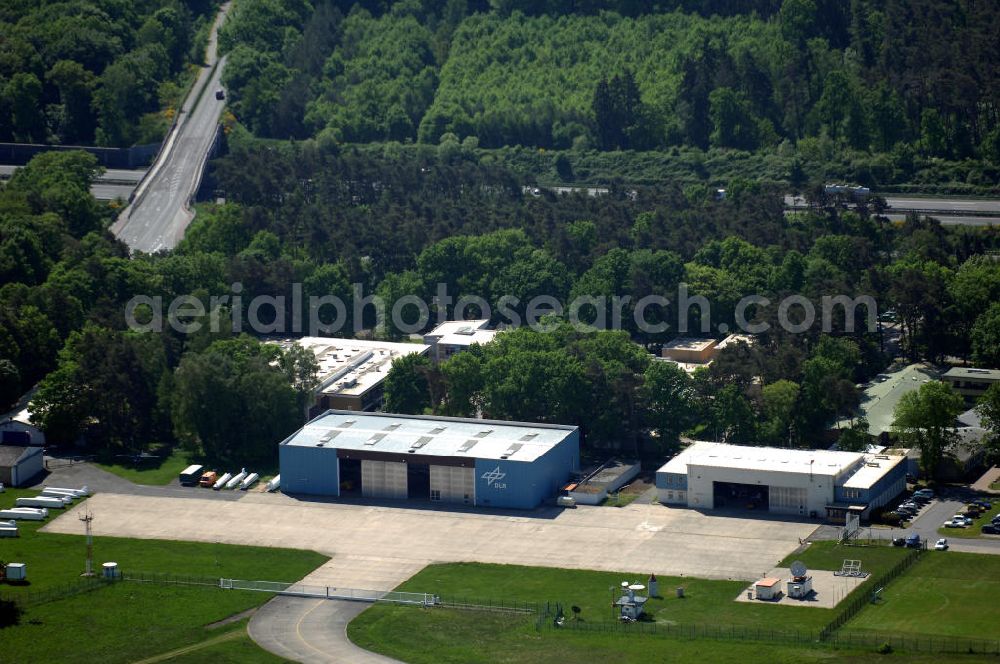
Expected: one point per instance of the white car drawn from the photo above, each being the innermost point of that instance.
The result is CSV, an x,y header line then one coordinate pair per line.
x,y
941,545
954,523
961,518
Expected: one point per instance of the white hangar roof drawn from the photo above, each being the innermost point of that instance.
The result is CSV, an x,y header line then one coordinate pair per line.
x,y
425,435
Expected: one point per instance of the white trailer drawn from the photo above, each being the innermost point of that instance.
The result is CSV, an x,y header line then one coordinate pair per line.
x,y
221,482
274,484
82,492
8,531
27,515
38,501
250,480
67,499
237,479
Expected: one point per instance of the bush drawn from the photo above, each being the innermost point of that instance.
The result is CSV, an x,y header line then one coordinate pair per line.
x,y
884,649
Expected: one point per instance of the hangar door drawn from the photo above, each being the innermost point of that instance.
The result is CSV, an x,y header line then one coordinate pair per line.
x,y
383,479
453,484
787,500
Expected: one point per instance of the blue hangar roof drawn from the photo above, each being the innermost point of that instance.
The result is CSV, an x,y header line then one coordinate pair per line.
x,y
427,435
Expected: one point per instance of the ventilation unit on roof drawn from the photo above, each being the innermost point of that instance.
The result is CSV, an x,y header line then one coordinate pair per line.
x,y
348,423
467,331
393,426
872,464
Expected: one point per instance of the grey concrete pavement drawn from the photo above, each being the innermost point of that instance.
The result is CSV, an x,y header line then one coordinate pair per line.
x,y
159,213
669,541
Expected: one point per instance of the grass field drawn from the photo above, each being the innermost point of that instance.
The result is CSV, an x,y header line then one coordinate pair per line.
x,y
150,471
441,635
944,594
130,621
705,601
831,556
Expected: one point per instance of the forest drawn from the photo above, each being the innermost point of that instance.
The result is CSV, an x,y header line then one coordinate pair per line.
x,y
892,82
97,72
399,223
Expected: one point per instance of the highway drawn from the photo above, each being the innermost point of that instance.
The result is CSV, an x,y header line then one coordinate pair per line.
x,y
950,211
113,184
160,210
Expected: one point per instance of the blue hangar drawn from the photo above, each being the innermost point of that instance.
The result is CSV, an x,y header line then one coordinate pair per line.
x,y
442,459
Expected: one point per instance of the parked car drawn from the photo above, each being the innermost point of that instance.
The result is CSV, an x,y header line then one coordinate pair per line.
x,y
220,94
984,504
899,541
995,520
941,545
954,523
913,541
991,529
927,493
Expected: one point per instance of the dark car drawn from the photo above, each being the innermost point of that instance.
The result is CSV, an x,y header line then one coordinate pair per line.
x,y
899,541
220,94
913,541
984,504
991,529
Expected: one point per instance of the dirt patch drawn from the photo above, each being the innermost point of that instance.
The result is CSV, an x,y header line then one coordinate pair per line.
x,y
236,617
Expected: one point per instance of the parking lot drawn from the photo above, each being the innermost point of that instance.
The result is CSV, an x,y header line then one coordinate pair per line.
x,y
666,540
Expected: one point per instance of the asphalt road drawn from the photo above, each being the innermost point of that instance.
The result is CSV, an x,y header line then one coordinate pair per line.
x,y
934,515
310,630
159,214
965,209
114,183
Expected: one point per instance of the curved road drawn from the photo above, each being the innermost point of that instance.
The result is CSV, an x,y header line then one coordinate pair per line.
x,y
159,213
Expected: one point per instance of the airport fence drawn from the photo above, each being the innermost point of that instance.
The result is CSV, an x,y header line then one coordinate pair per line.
x,y
853,640
490,604
26,598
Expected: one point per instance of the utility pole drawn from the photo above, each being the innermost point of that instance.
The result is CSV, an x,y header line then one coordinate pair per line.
x,y
87,518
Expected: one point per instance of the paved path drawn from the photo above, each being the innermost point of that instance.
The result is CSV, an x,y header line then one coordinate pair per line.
x,y
159,214
311,630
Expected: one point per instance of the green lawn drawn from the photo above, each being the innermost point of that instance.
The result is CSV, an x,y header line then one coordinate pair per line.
x,y
442,636
973,531
432,636
150,471
129,621
944,594
231,647
706,602
831,556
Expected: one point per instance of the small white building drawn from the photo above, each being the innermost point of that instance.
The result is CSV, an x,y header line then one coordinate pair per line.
x,y
454,336
768,588
352,371
809,483
19,464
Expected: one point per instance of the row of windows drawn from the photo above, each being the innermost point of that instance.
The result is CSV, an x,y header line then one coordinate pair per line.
x,y
681,495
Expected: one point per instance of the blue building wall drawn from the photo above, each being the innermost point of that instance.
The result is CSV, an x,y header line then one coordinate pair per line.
x,y
673,481
312,471
891,483
525,485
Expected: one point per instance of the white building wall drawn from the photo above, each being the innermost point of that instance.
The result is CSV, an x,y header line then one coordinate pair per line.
x,y
816,490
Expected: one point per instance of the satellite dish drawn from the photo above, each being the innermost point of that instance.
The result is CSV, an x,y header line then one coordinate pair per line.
x,y
637,586
799,568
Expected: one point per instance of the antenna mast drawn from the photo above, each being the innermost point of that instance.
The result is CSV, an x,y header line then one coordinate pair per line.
x,y
87,518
